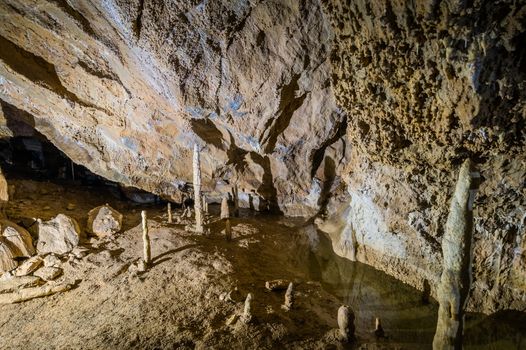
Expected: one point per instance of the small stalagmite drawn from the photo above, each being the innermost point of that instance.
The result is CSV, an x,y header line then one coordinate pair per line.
x,y
225,216
378,329
345,323
247,311
289,297
169,210
146,239
197,191
205,204
235,198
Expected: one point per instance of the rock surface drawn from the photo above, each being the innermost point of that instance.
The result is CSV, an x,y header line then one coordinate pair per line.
x,y
18,238
104,221
48,273
126,89
29,266
429,84
7,256
58,235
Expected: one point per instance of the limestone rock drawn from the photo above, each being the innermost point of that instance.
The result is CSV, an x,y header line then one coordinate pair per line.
x,y
51,260
31,293
4,189
58,235
48,273
16,283
276,285
18,238
7,257
29,266
104,221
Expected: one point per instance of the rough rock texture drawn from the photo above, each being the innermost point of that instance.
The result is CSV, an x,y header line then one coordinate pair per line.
x,y
18,238
428,84
58,235
127,87
104,221
7,256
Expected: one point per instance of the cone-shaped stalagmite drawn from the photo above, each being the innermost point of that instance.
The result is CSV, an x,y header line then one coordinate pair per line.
x,y
247,311
235,198
197,192
345,323
146,239
225,216
456,274
205,205
169,210
289,297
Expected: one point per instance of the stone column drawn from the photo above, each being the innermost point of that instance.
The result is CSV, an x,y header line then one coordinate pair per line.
x,y
146,239
197,192
455,281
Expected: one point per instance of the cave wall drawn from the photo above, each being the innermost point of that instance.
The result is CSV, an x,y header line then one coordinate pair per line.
x,y
427,84
294,100
127,87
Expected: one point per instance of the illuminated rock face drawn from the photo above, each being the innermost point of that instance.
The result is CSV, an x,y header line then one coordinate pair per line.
x,y
293,101
426,85
126,88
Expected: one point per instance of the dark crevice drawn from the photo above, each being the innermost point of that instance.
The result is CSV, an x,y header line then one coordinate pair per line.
x,y
288,104
207,131
317,155
77,16
137,24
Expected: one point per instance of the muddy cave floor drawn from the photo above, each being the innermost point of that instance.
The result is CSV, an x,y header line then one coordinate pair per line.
x,y
178,302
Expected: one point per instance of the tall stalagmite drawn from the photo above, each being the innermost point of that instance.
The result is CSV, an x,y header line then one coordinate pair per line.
x,y
197,192
456,275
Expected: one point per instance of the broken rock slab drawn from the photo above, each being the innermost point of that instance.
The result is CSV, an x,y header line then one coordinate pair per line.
x,y
58,235
104,221
48,273
31,293
16,283
18,237
29,266
7,257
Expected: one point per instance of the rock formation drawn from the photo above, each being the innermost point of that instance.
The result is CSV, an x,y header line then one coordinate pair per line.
x,y
345,324
289,297
104,221
58,235
7,256
302,104
18,238
198,207
124,87
147,253
429,84
455,281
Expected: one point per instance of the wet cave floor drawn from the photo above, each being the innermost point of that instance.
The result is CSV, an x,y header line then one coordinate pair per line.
x,y
180,303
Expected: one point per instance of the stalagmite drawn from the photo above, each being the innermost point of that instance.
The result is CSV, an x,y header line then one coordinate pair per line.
x,y
247,312
289,297
378,329
225,216
197,192
4,194
169,210
146,239
205,205
345,323
235,198
456,274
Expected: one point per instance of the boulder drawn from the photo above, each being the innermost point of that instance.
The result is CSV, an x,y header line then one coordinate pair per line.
x,y
58,235
48,273
29,266
104,221
4,189
7,257
18,238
